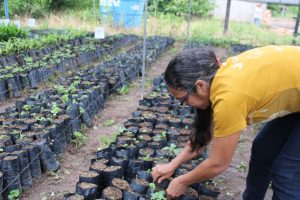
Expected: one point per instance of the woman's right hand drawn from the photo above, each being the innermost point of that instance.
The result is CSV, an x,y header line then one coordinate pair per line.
x,y
162,172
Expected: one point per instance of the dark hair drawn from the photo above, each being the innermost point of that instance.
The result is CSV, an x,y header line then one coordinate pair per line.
x,y
182,73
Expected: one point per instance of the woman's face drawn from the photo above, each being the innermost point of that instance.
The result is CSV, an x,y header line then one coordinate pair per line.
x,y
198,99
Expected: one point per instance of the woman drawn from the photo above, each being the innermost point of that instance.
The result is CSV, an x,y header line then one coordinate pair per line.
x,y
261,84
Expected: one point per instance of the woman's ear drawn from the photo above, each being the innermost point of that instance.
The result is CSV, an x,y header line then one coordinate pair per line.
x,y
202,87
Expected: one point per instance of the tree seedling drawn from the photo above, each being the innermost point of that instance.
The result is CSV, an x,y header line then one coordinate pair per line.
x,y
161,195
14,195
109,122
79,139
172,149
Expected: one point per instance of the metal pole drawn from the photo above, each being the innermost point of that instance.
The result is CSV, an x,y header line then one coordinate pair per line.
x,y
297,22
144,49
6,9
227,17
189,21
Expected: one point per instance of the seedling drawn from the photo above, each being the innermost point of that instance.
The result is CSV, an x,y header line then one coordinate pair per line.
x,y
27,107
123,90
109,122
55,109
14,195
241,167
152,186
172,149
146,158
79,139
64,98
161,195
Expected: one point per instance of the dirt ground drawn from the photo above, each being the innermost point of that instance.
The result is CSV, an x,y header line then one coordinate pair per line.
x,y
119,108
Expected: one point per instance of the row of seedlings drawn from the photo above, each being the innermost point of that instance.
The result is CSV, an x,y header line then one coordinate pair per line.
x,y
32,67
43,124
154,134
233,50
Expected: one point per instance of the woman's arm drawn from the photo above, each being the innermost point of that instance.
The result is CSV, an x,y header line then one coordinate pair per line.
x,y
220,157
185,155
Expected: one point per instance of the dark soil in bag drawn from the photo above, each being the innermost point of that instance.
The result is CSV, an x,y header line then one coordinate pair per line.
x,y
112,172
90,191
190,194
73,196
104,153
48,160
89,177
121,184
55,140
139,185
130,195
208,190
111,193
133,167
26,180
3,90
11,177
34,160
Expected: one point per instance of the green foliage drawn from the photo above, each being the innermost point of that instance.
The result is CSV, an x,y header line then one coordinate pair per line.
x,y
172,149
40,8
79,139
161,195
152,186
283,10
55,109
14,195
11,31
123,90
109,122
241,167
181,7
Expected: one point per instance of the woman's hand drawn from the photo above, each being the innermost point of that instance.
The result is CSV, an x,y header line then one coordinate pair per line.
x,y
175,188
162,172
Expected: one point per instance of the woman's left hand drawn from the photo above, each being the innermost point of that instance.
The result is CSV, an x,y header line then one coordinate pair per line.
x,y
175,188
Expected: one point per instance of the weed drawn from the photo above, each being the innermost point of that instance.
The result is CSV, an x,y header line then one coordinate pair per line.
x,y
79,139
109,122
241,167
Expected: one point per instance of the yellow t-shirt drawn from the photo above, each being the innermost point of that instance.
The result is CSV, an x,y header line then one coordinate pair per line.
x,y
257,85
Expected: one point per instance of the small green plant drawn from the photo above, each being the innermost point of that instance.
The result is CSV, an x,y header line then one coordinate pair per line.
x,y
27,107
81,110
55,109
152,186
241,167
109,122
146,158
123,90
172,149
14,195
79,139
161,195
64,98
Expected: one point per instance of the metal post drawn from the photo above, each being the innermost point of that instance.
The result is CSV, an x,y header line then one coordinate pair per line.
x,y
227,17
189,21
6,9
297,23
144,49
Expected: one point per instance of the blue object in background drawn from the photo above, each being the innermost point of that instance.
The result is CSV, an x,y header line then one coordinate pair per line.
x,y
126,13
6,9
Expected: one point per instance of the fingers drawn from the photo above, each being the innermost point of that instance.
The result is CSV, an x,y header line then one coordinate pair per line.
x,y
162,178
